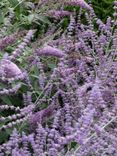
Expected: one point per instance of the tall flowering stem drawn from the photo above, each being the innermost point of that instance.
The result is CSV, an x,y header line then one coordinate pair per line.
x,y
18,51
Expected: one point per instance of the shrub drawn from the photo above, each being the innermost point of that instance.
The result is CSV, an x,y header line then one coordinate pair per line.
x,y
66,83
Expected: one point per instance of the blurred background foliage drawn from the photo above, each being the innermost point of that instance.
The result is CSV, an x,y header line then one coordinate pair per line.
x,y
103,8
28,13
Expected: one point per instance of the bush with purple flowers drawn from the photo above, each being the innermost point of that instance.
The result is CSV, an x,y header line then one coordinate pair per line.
x,y
58,85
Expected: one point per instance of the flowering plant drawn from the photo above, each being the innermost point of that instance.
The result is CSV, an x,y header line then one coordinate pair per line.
x,y
71,108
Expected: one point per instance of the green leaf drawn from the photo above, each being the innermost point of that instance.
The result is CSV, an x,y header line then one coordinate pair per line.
x,y
6,100
1,17
16,6
52,65
3,136
30,18
35,76
43,19
13,2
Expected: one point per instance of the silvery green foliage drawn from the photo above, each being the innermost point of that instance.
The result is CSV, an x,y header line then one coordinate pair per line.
x,y
80,93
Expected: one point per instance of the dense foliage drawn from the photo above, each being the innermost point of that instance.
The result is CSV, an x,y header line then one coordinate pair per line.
x,y
103,8
58,79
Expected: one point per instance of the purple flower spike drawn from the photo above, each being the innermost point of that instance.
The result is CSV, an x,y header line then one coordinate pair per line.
x,y
40,116
8,69
4,42
80,3
59,14
50,51
18,51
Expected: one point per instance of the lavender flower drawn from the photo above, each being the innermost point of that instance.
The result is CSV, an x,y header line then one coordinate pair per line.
x,y
80,3
11,91
8,69
49,51
20,48
7,41
59,14
80,93
40,116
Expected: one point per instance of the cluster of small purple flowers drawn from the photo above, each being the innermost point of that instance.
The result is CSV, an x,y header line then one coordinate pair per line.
x,y
80,93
